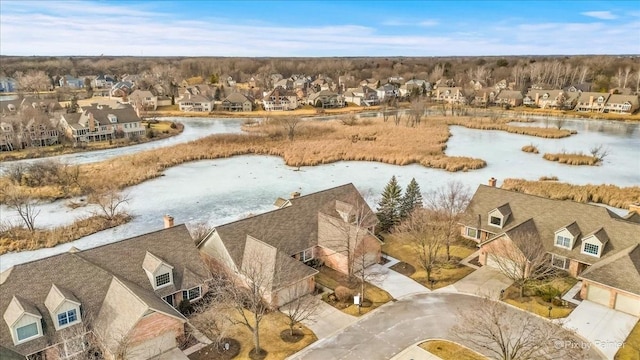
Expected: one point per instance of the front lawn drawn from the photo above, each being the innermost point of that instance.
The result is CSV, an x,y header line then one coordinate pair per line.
x,y
447,350
631,348
374,296
444,273
535,300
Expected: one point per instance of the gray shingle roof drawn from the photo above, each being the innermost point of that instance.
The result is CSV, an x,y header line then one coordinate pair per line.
x,y
621,271
550,216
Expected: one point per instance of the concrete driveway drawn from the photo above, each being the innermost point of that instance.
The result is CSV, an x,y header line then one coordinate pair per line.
x,y
395,326
396,284
327,320
486,282
604,327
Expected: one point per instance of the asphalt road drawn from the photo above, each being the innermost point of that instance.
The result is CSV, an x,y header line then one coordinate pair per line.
x,y
393,327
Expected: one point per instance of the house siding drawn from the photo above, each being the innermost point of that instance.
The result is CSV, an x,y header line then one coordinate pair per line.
x,y
155,325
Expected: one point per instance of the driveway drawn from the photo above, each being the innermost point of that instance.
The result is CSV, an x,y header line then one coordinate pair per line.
x,y
486,282
327,320
602,326
398,325
396,284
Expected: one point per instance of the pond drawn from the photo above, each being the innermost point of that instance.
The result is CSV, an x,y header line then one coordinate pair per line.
x,y
223,190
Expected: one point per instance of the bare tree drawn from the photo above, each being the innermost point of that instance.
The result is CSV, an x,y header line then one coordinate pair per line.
x,y
303,308
516,336
417,112
561,122
289,124
199,230
23,204
110,202
79,342
449,202
599,152
627,71
423,231
32,81
520,256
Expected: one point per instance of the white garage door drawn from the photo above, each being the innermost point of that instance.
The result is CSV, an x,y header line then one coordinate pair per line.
x,y
598,295
628,304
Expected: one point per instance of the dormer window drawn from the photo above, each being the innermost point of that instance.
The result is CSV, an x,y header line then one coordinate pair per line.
x,y
566,236
563,241
159,272
591,249
24,320
112,118
494,220
163,279
63,307
67,317
593,243
498,216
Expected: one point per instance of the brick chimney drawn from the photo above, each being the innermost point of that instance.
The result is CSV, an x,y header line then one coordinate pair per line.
x,y
634,208
537,98
295,194
492,182
168,221
591,100
92,124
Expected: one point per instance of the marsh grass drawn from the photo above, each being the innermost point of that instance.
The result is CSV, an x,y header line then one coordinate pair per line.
x,y
572,158
18,238
530,149
620,197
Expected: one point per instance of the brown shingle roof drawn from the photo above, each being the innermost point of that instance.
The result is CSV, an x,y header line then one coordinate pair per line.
x,y
552,215
621,271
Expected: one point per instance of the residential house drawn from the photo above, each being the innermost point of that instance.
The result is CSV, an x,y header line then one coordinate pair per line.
x,y
584,87
28,122
237,102
372,83
103,81
121,89
326,99
103,123
396,79
197,98
117,300
345,81
451,95
143,100
321,83
622,104
551,99
510,98
322,226
72,82
302,82
591,101
8,84
387,91
587,241
7,137
286,84
131,78
362,96
484,97
280,99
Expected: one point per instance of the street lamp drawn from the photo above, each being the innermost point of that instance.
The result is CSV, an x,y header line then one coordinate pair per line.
x,y
550,308
502,294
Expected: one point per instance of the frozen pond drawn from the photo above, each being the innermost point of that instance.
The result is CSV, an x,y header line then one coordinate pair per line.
x,y
219,191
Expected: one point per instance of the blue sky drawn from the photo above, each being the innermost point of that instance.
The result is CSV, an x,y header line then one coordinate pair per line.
x,y
319,28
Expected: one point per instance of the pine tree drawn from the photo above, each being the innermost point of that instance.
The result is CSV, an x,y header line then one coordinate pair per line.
x,y
411,200
389,205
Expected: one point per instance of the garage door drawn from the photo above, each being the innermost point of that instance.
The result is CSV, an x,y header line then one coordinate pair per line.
x,y
628,304
598,295
504,265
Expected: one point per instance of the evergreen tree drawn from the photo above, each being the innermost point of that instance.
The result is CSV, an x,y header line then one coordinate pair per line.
x,y
389,205
411,200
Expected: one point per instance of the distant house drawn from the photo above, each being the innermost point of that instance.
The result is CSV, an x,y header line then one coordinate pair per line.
x,y
7,84
28,122
452,95
280,99
197,98
286,84
551,99
484,97
326,99
622,104
362,96
587,241
237,102
320,226
121,89
143,100
72,82
512,98
118,300
591,102
387,91
102,123
103,81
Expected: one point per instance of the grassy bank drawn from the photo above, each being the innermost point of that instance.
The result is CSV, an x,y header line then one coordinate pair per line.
x,y
576,114
161,130
620,197
306,111
447,350
572,158
487,124
530,149
21,239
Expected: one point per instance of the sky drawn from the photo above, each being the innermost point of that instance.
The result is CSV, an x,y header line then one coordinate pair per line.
x,y
300,28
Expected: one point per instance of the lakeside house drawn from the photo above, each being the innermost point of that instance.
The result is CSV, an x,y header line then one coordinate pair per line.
x,y
102,123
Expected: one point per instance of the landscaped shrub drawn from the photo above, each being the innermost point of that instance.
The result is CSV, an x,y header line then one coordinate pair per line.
x,y
344,294
548,293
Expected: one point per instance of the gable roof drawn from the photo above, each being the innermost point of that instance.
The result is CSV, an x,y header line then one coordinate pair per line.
x,y
236,97
123,112
552,215
87,275
621,271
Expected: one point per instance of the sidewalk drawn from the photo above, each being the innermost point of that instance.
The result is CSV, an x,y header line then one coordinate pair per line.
x,y
396,284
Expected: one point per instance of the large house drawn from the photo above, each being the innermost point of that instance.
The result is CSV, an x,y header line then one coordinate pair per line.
x,y
592,102
72,82
102,122
327,226
118,300
196,99
326,99
588,241
237,102
452,95
622,104
362,96
28,122
280,99
143,100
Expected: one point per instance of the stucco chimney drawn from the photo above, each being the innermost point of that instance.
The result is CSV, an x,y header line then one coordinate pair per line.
x,y
295,194
168,221
92,124
537,98
634,208
492,182
591,100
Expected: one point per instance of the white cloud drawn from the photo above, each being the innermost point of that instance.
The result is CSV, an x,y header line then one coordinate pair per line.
x,y
429,22
602,15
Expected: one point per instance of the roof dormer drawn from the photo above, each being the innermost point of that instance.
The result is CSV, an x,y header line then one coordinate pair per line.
x,y
159,272
63,307
594,243
565,237
24,320
499,216
112,118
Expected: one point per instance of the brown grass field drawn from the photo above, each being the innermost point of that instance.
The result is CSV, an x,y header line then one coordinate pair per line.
x,y
572,158
447,350
620,197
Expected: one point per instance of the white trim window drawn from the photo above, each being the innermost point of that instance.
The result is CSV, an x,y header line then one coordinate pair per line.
x,y
591,249
67,318
307,255
192,294
560,262
471,232
27,332
563,241
163,279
